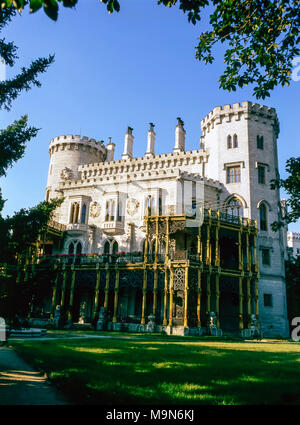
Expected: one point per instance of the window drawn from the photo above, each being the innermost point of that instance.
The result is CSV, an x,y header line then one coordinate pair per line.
x,y
83,214
234,207
106,247
119,214
261,174
233,174
74,213
260,142
115,248
71,248
229,142
265,255
263,217
268,302
235,141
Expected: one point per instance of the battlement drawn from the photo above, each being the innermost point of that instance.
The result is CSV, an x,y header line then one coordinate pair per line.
x,y
76,139
237,111
156,162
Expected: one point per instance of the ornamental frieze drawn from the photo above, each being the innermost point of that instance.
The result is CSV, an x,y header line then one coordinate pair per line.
x,y
179,279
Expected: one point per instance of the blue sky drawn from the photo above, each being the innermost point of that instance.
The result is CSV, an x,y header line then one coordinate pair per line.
x,y
110,71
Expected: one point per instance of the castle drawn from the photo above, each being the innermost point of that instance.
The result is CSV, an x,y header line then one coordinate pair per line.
x,y
179,242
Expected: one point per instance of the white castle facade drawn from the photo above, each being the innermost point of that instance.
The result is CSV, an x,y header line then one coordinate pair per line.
x,y
105,199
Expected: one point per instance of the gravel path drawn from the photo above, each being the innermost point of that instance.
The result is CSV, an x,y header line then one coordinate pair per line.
x,y
20,384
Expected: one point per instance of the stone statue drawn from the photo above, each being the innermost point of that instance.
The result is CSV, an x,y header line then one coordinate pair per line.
x,y
57,316
101,319
150,327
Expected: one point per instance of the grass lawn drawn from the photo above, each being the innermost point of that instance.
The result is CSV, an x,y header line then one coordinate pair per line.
x,y
162,370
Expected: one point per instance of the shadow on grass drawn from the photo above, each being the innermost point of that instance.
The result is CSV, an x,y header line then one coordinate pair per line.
x,y
97,371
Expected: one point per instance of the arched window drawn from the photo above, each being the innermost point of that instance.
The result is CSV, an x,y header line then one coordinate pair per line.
x,y
263,217
235,141
112,211
76,212
107,211
229,142
71,248
83,214
119,213
234,207
106,247
78,248
72,213
115,248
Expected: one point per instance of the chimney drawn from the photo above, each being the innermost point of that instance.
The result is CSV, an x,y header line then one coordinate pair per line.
x,y
151,141
179,137
110,148
128,144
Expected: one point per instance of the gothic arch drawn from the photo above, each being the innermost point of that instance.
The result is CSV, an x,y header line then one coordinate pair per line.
x,y
239,197
263,201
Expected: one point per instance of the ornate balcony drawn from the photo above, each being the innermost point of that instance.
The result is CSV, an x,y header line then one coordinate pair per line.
x,y
77,228
113,227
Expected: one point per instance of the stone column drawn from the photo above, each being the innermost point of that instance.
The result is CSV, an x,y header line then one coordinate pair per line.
x,y
146,239
208,275
143,321
165,322
97,292
171,296
186,289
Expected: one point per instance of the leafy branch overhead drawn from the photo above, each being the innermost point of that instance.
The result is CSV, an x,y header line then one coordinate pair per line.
x,y
261,37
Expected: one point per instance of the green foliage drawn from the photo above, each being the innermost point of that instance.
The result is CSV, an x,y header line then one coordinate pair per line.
x,y
292,186
13,141
23,228
292,277
261,36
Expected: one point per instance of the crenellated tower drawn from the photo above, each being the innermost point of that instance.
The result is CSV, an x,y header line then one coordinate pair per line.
x,y
66,154
241,141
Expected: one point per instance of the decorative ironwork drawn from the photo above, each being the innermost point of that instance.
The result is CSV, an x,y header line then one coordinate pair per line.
x,y
179,278
131,278
177,226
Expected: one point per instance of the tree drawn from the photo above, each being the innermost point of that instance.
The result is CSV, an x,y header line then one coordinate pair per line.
x,y
261,36
292,187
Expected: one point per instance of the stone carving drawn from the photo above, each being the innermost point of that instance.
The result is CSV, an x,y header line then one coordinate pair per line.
x,y
170,209
66,173
56,319
132,206
95,209
101,319
150,327
213,329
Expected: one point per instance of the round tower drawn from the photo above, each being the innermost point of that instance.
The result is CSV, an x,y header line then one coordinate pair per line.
x,y
66,154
